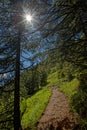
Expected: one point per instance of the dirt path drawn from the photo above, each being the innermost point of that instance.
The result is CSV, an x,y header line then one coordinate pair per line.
x,y
57,115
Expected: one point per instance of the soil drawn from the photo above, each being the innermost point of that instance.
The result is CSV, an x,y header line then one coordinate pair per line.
x,y
57,115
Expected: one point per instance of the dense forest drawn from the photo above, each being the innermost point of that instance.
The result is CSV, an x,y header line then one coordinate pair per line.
x,y
42,44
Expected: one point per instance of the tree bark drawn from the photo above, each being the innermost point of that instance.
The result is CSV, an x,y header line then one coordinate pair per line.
x,y
17,121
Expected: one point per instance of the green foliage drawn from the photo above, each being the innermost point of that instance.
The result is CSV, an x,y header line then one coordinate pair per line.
x,y
32,81
79,103
79,100
6,112
72,31
23,106
34,108
76,90
83,124
65,71
61,74
70,88
43,78
70,77
52,79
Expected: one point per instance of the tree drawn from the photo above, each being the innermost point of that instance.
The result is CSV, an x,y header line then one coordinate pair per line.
x,y
12,35
7,48
65,22
7,60
32,81
43,78
72,30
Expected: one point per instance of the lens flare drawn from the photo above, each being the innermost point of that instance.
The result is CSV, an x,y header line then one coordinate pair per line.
x,y
28,18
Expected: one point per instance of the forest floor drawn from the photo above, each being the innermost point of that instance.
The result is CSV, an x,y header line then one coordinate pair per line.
x,y
57,115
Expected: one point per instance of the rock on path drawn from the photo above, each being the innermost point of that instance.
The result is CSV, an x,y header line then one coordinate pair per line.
x,y
57,115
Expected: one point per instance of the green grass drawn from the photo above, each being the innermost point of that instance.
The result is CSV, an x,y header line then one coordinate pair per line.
x,y
70,88
52,79
32,108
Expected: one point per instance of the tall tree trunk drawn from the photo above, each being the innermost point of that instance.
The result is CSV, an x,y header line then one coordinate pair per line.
x,y
17,124
17,121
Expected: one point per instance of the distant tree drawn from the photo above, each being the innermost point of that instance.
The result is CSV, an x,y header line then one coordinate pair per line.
x,y
32,81
43,78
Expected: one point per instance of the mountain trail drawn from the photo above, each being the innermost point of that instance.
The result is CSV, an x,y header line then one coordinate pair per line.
x,y
57,115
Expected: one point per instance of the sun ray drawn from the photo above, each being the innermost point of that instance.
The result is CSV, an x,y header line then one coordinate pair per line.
x,y
28,17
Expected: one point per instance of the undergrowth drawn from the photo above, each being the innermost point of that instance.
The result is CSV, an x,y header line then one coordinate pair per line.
x,y
32,108
70,88
52,79
78,100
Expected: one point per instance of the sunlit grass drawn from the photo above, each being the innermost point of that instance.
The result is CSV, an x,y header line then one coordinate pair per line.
x,y
34,108
52,79
70,88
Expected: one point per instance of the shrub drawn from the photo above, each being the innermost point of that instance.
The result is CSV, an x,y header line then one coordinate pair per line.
x,y
43,78
79,101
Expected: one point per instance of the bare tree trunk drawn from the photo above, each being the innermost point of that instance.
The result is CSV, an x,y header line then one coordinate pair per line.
x,y
17,121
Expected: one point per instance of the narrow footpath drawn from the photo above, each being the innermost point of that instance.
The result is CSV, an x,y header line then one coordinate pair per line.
x,y
57,115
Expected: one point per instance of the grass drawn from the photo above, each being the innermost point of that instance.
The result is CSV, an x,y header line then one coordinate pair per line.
x,y
70,88
32,108
53,79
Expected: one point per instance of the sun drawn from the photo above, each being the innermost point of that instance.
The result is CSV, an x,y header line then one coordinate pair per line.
x,y
28,18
